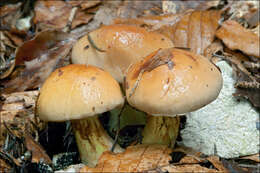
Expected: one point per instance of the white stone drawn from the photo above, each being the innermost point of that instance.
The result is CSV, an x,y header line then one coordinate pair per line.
x,y
226,127
71,169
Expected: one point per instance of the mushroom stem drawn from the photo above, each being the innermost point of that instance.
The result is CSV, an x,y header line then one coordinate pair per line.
x,y
161,130
92,140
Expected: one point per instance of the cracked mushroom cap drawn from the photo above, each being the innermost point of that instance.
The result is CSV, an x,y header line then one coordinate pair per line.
x,y
172,81
76,92
119,47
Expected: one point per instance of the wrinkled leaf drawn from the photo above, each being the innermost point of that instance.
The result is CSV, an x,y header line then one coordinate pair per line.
x,y
41,56
84,4
237,37
52,14
133,9
191,29
196,30
38,153
80,18
135,159
173,6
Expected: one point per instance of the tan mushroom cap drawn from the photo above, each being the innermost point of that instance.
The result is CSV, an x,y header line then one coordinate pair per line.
x,y
123,46
76,92
174,82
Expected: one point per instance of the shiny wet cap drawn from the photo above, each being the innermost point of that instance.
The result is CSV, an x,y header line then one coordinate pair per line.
x,y
172,81
76,92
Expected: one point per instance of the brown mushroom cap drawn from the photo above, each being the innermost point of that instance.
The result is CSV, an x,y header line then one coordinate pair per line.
x,y
173,82
76,92
123,45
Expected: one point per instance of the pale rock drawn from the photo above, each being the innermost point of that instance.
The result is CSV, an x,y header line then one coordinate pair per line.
x,y
226,127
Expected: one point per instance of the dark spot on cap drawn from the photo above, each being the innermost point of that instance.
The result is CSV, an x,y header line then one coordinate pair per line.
x,y
60,72
168,80
93,78
86,47
93,109
162,39
190,66
101,102
211,69
84,83
207,85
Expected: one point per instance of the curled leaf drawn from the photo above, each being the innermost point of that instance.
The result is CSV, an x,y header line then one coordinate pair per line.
x,y
237,37
41,56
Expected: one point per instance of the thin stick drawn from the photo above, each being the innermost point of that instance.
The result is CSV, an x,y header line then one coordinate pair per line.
x,y
118,128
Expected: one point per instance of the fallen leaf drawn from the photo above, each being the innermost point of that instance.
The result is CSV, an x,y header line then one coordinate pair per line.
x,y
217,163
38,153
255,157
173,6
80,18
196,30
41,56
191,29
84,4
17,110
133,9
9,14
51,14
135,159
236,37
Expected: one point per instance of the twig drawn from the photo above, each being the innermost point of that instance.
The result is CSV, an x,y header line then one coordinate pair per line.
x,y
137,82
245,84
71,17
118,128
252,65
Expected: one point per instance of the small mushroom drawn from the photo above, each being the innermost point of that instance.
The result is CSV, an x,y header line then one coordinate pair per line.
x,y
115,47
169,82
79,93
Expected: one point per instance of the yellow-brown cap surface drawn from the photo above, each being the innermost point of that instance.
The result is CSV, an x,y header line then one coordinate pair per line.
x,y
123,45
77,91
173,82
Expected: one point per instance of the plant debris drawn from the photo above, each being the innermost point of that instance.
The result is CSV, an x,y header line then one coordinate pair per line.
x,y
237,37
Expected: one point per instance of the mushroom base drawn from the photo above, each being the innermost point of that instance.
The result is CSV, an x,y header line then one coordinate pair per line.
x,y
92,140
161,130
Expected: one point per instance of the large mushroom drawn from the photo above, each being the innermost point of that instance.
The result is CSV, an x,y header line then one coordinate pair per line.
x,y
79,93
115,47
169,82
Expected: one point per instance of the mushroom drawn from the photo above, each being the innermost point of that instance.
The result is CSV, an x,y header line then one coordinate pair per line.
x,y
115,47
169,82
79,93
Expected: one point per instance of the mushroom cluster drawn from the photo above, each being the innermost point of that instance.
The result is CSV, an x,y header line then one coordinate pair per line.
x,y
158,79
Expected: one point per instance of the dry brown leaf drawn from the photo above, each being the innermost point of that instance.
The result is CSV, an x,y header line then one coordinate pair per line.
x,y
41,56
38,153
173,6
52,14
187,168
191,29
196,30
133,9
135,159
9,15
255,157
217,163
17,109
237,37
84,4
80,18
